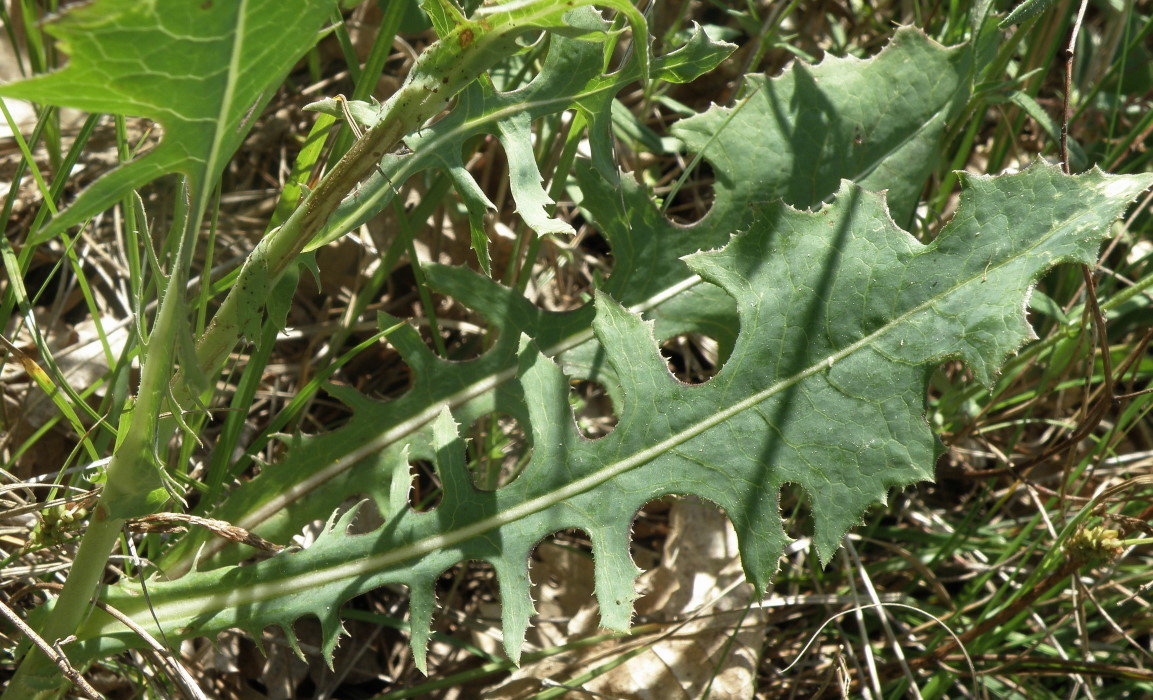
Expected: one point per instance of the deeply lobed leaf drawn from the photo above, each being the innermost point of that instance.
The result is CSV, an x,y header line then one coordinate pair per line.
x,y
647,247
842,314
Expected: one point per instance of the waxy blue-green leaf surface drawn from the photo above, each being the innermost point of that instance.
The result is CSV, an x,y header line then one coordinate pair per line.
x,y
842,316
796,136
366,457
646,247
291,493
878,122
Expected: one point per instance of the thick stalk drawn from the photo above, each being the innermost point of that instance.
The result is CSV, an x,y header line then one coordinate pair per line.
x,y
442,70
38,676
133,484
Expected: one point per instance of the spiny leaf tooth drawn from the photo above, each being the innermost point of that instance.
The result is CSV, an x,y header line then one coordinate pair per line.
x,y
422,602
401,486
293,640
411,347
636,373
291,441
482,294
456,483
350,397
517,605
332,630
339,522
256,633
196,558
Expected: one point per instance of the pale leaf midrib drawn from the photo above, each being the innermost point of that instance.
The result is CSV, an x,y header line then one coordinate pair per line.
x,y
175,611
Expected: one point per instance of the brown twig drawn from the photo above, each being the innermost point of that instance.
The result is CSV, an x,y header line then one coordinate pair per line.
x,y
177,671
1097,412
1098,320
1040,665
178,522
1067,106
52,651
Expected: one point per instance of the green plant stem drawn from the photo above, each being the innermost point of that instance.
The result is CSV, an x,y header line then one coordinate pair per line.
x,y
447,68
38,676
949,646
133,486
444,69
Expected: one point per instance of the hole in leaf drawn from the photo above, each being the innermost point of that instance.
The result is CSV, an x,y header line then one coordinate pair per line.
x,y
451,330
425,493
698,553
694,197
593,242
367,516
562,574
795,516
464,335
650,529
692,357
379,371
470,587
498,450
592,408
573,271
254,649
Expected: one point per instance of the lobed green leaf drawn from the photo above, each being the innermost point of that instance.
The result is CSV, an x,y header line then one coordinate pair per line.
x,y
842,316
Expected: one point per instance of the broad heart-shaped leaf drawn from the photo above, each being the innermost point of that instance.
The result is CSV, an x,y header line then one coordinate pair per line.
x,y
203,70
842,316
